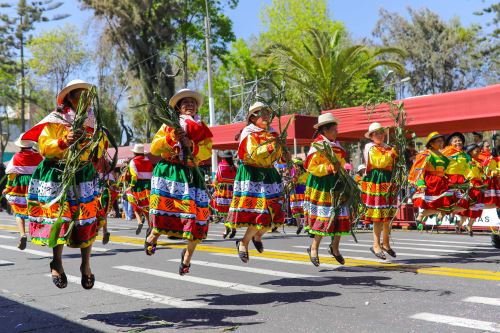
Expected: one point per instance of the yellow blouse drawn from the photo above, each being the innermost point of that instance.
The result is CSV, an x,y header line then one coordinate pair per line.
x,y
381,157
165,145
459,161
53,144
253,150
318,165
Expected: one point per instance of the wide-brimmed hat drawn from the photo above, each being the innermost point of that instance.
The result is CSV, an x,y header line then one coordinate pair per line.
x,y
72,85
184,93
460,135
326,118
23,143
361,167
471,147
225,154
257,106
138,148
374,127
431,137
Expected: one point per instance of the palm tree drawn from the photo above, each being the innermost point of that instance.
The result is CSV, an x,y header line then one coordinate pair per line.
x,y
327,66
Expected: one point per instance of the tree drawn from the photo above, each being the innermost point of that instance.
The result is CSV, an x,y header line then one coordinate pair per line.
x,y
325,66
20,25
57,54
441,56
191,29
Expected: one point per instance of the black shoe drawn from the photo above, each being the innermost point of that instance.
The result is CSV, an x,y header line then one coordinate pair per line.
x,y
105,238
242,254
22,242
379,255
183,268
139,228
314,260
299,229
226,232
87,280
233,233
390,252
60,281
259,246
340,259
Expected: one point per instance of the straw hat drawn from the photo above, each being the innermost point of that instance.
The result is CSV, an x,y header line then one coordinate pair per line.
x,y
361,167
23,143
257,106
226,153
431,137
183,93
460,135
326,118
72,85
138,148
373,128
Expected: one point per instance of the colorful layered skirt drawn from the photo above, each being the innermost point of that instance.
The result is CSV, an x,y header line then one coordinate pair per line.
x,y
45,185
437,195
475,198
492,192
257,198
460,199
138,195
16,196
297,201
319,206
109,194
178,204
378,196
222,198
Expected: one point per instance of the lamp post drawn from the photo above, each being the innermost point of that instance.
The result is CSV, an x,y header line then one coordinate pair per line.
x,y
211,106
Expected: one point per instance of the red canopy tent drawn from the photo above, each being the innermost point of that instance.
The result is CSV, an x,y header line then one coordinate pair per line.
x,y
464,111
299,132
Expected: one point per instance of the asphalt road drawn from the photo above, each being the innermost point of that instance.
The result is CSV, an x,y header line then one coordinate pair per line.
x,y
438,283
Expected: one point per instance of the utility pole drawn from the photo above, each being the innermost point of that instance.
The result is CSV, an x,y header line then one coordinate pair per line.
x,y
209,78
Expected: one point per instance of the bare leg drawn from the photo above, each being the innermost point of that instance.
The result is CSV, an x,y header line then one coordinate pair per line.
x,y
153,237
85,252
249,234
315,245
259,234
138,217
57,259
336,245
377,230
191,246
21,226
386,233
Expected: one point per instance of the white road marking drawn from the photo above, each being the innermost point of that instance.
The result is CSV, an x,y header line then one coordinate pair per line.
x,y
284,261
251,269
483,300
30,251
430,244
458,321
198,280
99,249
139,294
7,237
365,251
425,249
6,262
440,241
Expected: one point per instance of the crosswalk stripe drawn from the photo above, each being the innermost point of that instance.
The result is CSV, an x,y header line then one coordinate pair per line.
x,y
139,294
430,244
426,249
99,249
251,270
365,251
30,251
6,262
7,237
278,260
439,241
458,321
198,280
483,300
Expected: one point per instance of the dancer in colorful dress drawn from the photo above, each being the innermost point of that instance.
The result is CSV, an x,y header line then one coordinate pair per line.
x,y
377,192
299,178
19,171
178,204
475,194
427,174
360,173
457,169
109,190
54,137
224,182
491,197
324,192
258,201
141,170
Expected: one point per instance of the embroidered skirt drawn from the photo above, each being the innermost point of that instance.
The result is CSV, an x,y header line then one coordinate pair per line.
x,y
257,199
16,196
437,195
297,201
45,185
378,196
138,195
178,202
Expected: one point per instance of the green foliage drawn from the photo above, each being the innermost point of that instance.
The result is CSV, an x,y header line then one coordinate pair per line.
x,y
328,66
57,54
441,56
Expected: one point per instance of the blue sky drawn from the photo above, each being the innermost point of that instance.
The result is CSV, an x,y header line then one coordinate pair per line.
x,y
358,15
